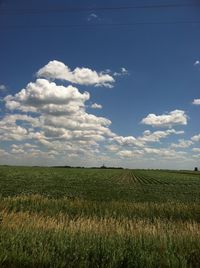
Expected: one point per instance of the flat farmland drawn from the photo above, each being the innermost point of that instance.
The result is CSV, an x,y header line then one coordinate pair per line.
x,y
67,217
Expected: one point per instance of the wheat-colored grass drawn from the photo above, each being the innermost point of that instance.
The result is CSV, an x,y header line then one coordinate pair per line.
x,y
34,229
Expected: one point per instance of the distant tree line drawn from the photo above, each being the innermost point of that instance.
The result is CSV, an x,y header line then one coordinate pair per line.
x,y
102,167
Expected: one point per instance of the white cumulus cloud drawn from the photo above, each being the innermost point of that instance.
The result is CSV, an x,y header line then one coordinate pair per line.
x,y
196,102
2,87
129,141
156,136
176,117
182,144
130,154
49,122
123,71
197,62
47,97
196,138
53,117
165,153
93,16
147,137
82,76
96,106
196,150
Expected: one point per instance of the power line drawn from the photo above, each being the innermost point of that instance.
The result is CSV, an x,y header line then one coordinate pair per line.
x,y
84,9
97,25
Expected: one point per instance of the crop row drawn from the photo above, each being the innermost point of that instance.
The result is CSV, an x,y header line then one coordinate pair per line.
x,y
147,180
132,178
142,179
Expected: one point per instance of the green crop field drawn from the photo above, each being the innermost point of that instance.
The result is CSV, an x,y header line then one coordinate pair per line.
x,y
62,217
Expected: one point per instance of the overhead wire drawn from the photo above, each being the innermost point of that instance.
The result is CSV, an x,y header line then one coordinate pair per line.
x,y
94,9
84,9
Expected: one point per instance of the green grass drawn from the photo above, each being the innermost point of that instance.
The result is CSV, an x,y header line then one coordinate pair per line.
x,y
57,217
101,184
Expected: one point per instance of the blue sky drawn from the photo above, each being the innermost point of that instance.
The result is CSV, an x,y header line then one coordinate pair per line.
x,y
141,82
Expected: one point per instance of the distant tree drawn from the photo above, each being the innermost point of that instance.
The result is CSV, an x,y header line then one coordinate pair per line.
x,y
103,166
196,169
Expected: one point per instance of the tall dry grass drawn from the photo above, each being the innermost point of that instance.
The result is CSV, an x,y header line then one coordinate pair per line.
x,y
37,231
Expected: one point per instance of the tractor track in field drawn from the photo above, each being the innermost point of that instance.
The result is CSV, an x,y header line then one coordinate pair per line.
x,y
155,181
122,178
147,180
142,180
131,178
